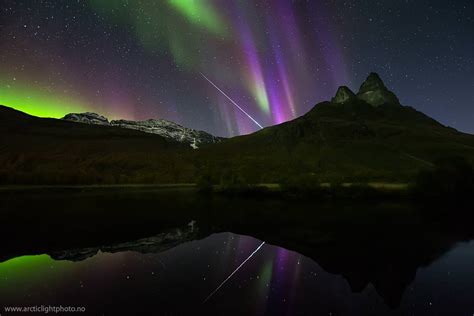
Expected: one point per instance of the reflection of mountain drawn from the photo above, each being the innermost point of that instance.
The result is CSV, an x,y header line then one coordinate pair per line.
x,y
388,270
155,244
386,256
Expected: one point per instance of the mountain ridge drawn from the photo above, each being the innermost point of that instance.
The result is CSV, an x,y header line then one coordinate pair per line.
x,y
162,127
355,140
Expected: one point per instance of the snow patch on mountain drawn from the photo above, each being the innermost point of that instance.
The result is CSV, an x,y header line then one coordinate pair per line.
x,y
164,128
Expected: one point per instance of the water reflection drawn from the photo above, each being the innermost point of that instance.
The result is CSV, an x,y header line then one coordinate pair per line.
x,y
274,281
336,259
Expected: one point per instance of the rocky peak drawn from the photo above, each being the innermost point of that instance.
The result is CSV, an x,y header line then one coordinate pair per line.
x,y
164,128
374,92
372,83
87,117
343,94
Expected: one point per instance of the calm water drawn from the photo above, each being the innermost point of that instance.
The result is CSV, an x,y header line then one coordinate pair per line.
x,y
175,253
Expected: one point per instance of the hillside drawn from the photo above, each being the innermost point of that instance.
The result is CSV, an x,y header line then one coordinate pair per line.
x,y
356,137
49,151
363,137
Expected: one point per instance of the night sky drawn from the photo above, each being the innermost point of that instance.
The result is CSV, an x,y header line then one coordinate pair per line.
x,y
140,59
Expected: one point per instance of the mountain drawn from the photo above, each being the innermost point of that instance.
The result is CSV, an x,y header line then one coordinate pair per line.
x,y
343,94
50,151
357,137
164,128
374,92
87,118
366,136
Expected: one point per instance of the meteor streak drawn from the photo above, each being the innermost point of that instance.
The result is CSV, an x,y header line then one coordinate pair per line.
x,y
233,102
237,269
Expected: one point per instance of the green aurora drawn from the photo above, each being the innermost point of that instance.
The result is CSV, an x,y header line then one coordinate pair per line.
x,y
36,101
200,13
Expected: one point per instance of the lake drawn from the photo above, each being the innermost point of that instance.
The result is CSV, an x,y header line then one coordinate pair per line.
x,y
159,251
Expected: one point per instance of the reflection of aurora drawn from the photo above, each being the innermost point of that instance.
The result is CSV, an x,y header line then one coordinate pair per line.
x,y
34,274
26,272
276,281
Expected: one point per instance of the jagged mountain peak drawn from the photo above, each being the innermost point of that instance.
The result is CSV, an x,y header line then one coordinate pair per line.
x,y
164,128
87,117
374,92
372,83
343,94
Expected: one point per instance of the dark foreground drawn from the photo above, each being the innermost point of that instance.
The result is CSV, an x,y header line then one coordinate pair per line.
x,y
158,251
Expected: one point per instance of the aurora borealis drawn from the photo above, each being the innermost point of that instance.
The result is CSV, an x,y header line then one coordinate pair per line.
x,y
276,59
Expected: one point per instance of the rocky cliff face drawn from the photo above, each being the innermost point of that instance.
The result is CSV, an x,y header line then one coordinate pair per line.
x,y
343,95
88,118
373,91
170,130
164,128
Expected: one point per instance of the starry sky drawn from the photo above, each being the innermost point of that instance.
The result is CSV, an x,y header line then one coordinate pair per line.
x,y
275,59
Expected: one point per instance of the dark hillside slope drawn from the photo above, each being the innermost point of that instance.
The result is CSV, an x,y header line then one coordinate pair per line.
x,y
357,137
37,150
349,141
